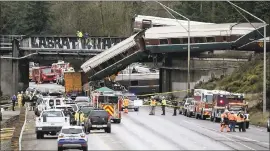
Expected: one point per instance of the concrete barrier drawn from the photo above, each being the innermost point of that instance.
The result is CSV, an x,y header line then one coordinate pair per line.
x,y
17,130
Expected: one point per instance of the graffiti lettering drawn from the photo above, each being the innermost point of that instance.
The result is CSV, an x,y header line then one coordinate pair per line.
x,y
91,43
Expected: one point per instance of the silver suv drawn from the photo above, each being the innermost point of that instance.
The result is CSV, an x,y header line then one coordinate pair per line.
x,y
131,98
187,101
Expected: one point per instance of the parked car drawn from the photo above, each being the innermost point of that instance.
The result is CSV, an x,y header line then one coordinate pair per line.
x,y
186,104
191,109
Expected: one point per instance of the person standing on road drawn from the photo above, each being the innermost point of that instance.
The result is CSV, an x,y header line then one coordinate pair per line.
x,y
241,120
126,102
19,97
153,106
163,105
232,121
175,105
225,121
14,99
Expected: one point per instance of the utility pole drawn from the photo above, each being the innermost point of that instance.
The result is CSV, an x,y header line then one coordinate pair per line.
x,y
264,54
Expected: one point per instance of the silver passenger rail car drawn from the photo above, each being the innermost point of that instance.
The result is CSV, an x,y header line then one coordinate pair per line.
x,y
116,58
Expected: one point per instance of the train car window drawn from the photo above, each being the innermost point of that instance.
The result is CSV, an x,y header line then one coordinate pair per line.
x,y
118,57
134,83
199,40
210,39
185,40
110,62
146,24
175,41
103,65
163,41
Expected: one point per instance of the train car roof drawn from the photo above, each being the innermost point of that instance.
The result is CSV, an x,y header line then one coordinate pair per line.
x,y
204,30
167,21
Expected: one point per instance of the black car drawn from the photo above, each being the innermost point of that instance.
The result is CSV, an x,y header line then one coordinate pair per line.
x,y
98,119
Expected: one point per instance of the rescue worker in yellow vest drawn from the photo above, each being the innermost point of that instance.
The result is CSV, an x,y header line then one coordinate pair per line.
x,y
240,121
153,106
225,121
126,102
19,97
163,105
79,34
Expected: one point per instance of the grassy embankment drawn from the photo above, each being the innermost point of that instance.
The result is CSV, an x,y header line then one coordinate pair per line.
x,y
248,79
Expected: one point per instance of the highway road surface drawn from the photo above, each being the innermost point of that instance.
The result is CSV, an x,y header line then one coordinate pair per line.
x,y
140,131
46,86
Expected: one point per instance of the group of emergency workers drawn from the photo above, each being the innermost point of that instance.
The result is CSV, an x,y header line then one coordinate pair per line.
x,y
22,98
153,104
229,120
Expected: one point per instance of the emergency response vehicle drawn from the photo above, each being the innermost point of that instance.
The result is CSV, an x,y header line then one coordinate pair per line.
x,y
236,103
219,104
203,106
108,100
43,74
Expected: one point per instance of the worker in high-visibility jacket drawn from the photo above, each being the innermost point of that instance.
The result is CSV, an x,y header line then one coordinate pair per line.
x,y
126,102
225,121
76,117
81,118
163,105
153,106
232,121
19,97
241,121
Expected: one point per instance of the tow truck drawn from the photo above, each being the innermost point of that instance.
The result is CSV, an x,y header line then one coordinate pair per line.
x,y
109,101
50,122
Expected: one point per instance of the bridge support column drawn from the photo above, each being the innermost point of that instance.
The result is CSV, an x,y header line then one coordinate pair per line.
x,y
165,75
14,72
6,77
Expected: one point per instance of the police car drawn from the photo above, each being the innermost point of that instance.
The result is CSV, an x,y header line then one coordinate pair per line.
x,y
72,137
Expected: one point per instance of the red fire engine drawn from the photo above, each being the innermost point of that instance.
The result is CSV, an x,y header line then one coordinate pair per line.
x,y
43,74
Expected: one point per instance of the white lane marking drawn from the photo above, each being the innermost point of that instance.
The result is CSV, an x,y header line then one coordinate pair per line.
x,y
222,136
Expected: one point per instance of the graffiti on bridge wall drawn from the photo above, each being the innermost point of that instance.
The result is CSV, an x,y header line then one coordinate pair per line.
x,y
92,43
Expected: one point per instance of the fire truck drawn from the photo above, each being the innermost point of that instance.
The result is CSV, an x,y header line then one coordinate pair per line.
x,y
43,74
110,102
59,67
219,104
203,106
237,103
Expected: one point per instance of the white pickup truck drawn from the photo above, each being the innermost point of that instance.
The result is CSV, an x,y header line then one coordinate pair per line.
x,y
50,122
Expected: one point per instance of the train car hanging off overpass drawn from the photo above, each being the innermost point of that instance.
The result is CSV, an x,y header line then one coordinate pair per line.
x,y
116,58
